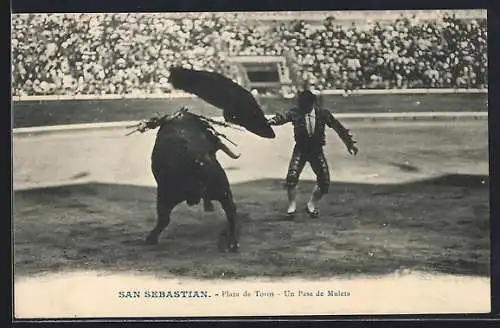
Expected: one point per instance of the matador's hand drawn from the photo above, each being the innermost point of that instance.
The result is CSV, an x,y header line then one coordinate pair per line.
x,y
352,149
351,145
349,142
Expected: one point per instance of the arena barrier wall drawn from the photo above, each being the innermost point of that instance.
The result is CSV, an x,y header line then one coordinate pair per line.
x,y
25,131
354,116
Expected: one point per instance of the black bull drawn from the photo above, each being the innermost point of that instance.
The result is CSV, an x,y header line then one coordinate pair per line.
x,y
185,168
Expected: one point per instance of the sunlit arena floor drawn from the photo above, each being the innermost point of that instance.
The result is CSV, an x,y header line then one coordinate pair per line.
x,y
415,199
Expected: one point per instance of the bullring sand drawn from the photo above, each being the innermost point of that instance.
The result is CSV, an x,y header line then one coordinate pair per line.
x,y
95,293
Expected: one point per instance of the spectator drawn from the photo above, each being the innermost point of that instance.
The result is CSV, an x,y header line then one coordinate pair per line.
x,y
131,53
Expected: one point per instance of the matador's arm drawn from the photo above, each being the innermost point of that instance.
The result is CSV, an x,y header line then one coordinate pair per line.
x,y
343,133
280,118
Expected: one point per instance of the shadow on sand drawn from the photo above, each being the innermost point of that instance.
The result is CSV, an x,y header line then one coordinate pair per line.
x,y
438,225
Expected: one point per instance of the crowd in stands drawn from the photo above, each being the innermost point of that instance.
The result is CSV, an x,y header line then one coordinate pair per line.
x,y
131,53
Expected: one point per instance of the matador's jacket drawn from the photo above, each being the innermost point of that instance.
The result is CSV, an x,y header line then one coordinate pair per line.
x,y
309,148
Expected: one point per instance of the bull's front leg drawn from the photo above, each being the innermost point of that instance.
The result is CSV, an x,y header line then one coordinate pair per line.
x,y
230,234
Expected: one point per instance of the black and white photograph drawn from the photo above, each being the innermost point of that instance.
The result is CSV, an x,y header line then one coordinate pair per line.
x,y
228,164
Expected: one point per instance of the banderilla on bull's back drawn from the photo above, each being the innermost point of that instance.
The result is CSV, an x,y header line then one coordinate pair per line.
x,y
154,122
157,120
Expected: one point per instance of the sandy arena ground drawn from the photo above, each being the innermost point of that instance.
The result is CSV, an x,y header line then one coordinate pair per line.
x,y
390,154
435,148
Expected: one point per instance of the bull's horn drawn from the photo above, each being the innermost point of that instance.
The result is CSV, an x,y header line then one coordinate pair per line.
x,y
229,152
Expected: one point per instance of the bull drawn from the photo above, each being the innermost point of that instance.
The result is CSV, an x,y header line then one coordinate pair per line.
x,y
184,162
185,168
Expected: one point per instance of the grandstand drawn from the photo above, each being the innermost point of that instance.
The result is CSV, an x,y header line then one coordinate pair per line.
x,y
75,54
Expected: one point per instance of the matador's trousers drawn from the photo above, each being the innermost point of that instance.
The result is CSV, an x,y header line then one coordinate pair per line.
x,y
316,159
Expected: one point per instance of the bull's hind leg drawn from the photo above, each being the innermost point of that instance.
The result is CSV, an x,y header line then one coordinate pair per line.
x,y
217,188
230,234
163,210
